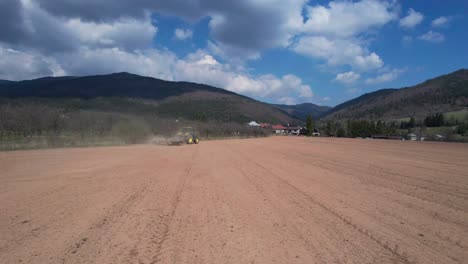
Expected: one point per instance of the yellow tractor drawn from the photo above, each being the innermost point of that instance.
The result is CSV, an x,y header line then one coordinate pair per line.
x,y
186,135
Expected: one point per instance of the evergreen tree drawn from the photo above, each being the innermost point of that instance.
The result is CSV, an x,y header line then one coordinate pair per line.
x,y
412,122
328,128
309,126
436,120
403,125
380,127
341,132
462,129
440,119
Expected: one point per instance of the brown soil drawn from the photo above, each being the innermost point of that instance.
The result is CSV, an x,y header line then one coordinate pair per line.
x,y
273,200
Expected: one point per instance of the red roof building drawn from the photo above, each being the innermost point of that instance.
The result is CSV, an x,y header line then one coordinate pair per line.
x,y
278,127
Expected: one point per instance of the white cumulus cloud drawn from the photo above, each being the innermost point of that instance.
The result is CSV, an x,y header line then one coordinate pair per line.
x,y
346,18
433,36
287,100
183,34
336,52
20,65
126,33
387,76
338,33
347,77
412,19
441,21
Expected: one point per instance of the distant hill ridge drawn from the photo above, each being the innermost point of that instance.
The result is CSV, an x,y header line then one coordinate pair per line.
x,y
125,92
441,94
301,111
131,93
113,85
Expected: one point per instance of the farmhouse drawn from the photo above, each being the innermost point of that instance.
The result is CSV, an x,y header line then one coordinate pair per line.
x,y
278,129
412,137
292,130
316,132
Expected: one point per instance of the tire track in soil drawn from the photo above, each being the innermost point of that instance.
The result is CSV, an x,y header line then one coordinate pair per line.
x,y
101,229
395,198
385,182
311,247
416,242
401,257
103,232
430,243
166,223
382,174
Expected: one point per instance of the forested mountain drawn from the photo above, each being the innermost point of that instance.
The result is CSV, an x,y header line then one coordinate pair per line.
x,y
134,94
442,94
301,111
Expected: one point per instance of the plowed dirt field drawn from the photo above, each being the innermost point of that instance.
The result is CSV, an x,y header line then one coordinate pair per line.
x,y
271,200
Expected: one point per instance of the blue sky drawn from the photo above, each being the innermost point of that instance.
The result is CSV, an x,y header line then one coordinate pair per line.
x,y
324,52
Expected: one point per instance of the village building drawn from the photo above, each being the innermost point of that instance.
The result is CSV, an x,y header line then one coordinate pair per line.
x,y
412,137
316,132
278,129
292,130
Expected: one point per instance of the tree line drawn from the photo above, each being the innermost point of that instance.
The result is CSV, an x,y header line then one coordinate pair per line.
x,y
369,128
356,128
435,120
47,126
